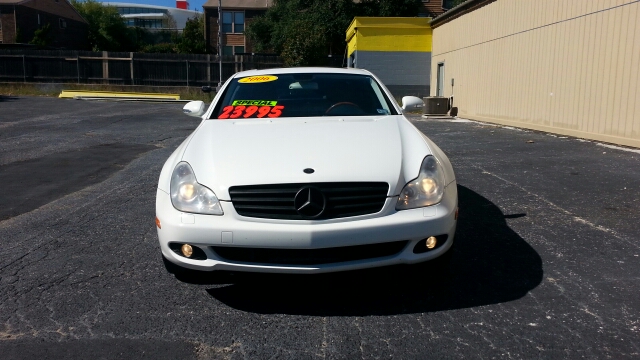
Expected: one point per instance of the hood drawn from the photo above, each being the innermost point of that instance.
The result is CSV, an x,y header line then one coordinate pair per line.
x,y
225,153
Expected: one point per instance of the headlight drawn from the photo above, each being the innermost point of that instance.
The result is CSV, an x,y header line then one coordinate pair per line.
x,y
189,196
426,189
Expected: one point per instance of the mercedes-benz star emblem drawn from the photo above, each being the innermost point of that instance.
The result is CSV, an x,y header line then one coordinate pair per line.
x,y
310,202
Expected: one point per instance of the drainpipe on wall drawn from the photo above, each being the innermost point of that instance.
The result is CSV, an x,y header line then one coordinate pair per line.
x,y
219,44
15,25
355,48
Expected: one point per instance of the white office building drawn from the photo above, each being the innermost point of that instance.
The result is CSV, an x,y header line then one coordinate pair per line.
x,y
153,17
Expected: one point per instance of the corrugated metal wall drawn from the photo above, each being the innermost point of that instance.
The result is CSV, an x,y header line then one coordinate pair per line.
x,y
568,67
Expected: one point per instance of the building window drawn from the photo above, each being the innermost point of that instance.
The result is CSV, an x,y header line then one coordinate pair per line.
x,y
135,10
149,23
146,23
238,22
233,22
447,4
62,23
232,50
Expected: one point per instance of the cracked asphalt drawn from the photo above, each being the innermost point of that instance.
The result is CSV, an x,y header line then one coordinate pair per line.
x,y
546,262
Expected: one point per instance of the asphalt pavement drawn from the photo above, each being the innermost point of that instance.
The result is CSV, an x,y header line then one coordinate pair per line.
x,y
546,262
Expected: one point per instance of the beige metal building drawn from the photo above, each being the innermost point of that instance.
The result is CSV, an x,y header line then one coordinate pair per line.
x,y
567,67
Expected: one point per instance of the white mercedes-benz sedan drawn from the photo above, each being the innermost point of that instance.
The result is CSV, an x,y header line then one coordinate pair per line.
x,y
304,170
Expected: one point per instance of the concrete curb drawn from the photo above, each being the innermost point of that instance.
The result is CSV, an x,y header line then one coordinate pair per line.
x,y
128,99
72,94
437,117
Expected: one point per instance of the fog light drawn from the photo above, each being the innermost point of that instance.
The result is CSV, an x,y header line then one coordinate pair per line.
x,y
431,242
187,250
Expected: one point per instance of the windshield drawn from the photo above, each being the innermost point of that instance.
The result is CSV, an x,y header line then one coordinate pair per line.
x,y
303,95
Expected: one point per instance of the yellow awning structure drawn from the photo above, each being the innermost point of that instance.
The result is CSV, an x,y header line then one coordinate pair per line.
x,y
389,34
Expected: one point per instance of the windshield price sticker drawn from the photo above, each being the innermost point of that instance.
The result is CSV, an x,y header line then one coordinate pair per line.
x,y
254,102
234,112
257,79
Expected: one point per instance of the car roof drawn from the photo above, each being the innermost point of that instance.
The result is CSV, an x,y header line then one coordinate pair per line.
x,y
302,70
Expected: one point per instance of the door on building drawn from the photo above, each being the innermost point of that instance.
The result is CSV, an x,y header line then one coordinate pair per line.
x,y
440,84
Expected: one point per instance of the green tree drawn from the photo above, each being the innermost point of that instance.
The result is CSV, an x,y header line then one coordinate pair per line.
x,y
18,35
304,46
107,30
42,36
192,39
389,8
453,3
304,32
162,48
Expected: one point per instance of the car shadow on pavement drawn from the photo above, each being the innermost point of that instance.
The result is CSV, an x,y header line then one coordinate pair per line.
x,y
8,98
490,264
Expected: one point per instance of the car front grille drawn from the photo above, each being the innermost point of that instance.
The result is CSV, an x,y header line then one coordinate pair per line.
x,y
277,201
309,256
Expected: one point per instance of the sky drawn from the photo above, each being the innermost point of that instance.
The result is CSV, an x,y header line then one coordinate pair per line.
x,y
193,4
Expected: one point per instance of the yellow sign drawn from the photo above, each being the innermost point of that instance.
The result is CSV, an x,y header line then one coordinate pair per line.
x,y
257,79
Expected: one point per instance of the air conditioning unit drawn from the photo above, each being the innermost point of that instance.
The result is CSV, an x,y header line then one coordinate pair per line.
x,y
436,105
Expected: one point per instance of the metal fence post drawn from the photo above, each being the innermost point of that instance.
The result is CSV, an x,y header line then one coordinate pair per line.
x,y
131,66
78,66
24,70
105,67
208,69
187,61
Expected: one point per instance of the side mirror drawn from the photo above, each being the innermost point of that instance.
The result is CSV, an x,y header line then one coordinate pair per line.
x,y
194,108
206,89
411,103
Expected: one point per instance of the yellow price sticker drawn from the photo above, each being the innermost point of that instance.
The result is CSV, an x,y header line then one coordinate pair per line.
x,y
257,79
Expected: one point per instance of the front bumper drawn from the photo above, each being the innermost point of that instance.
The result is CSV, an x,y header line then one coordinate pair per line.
x,y
234,230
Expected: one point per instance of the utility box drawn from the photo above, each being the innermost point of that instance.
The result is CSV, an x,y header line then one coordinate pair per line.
x,y
436,105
